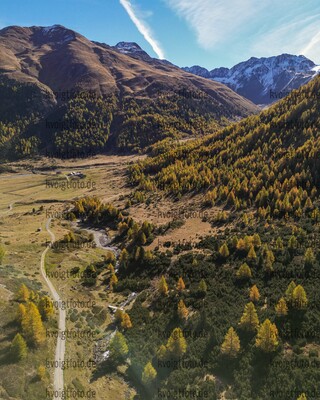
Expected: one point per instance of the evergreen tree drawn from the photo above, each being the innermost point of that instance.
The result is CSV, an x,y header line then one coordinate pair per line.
x,y
180,285
202,287
149,374
279,244
231,344
90,275
267,337
254,294
32,326
281,308
299,298
118,347
18,349
177,344
163,287
182,310
118,315
249,320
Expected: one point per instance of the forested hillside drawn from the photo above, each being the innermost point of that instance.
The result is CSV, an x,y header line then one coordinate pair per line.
x,y
245,296
270,161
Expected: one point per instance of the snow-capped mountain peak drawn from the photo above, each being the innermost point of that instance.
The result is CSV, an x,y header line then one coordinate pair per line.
x,y
132,49
128,47
263,80
56,34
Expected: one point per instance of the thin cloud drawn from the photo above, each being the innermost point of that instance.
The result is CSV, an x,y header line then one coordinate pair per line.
x,y
312,49
215,21
269,27
301,36
142,27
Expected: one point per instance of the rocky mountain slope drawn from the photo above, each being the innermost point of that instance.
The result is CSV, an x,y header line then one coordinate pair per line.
x,y
263,80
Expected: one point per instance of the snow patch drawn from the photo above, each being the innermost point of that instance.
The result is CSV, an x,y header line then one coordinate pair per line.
x,y
65,34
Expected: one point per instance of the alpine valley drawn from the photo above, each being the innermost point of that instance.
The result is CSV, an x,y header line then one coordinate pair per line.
x,y
159,231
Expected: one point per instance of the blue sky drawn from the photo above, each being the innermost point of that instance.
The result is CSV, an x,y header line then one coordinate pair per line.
x,y
210,33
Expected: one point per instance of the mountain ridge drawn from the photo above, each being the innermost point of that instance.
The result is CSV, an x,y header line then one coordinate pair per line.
x,y
138,99
27,51
263,80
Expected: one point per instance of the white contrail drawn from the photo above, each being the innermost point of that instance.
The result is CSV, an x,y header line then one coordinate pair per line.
x,y
142,28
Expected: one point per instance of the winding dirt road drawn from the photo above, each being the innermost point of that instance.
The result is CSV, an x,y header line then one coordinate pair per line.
x,y
58,385
58,382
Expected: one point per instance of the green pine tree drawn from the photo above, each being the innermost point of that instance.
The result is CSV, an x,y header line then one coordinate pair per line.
x,y
118,348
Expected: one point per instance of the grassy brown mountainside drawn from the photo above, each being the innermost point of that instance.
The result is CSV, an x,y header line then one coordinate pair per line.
x,y
38,65
62,59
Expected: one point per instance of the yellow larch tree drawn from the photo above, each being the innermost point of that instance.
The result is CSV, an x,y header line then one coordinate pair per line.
x,y
182,310
32,326
180,285
267,337
249,320
231,344
281,308
177,344
299,298
163,286
254,294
